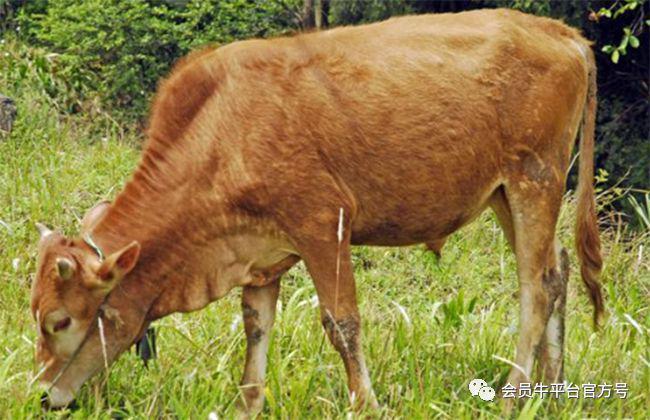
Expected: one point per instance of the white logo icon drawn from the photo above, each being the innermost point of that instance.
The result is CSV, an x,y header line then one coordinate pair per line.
x,y
480,387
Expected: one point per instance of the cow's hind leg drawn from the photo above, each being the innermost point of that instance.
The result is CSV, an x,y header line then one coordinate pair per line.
x,y
258,305
551,352
534,215
551,348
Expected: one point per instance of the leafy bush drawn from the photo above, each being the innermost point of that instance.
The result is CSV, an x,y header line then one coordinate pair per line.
x,y
219,21
345,12
116,48
120,49
9,10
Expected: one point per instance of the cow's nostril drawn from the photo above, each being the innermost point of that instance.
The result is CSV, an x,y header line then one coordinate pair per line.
x,y
62,325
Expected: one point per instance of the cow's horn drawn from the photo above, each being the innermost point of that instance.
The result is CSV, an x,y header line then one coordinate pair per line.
x,y
43,230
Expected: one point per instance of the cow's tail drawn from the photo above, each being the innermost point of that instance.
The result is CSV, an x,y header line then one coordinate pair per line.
x,y
587,237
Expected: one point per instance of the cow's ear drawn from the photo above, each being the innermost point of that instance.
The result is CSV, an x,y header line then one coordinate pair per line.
x,y
65,268
94,215
117,265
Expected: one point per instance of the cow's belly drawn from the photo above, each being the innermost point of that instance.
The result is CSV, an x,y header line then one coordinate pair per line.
x,y
423,200
401,231
400,226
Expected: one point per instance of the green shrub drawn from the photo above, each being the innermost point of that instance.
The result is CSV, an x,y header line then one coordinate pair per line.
x,y
120,49
115,48
219,21
11,9
345,12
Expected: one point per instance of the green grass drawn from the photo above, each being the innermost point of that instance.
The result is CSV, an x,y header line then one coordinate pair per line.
x,y
429,326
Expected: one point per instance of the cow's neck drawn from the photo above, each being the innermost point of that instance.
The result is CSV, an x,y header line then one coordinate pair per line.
x,y
147,211
187,259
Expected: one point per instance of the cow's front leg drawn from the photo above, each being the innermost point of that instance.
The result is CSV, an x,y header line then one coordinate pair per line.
x,y
344,333
258,305
335,286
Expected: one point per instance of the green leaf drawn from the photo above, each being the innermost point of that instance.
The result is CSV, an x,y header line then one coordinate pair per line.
x,y
620,11
634,41
608,49
615,56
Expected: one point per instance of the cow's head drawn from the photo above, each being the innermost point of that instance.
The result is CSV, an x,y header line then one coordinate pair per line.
x,y
72,283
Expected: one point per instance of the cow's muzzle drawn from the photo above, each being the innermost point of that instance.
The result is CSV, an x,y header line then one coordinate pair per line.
x,y
54,398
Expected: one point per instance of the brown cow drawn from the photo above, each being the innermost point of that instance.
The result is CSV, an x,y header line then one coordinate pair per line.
x,y
266,152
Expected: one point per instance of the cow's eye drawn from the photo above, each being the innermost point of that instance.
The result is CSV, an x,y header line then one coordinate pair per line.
x,y
62,324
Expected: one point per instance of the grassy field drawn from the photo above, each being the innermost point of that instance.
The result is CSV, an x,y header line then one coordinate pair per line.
x,y
430,326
